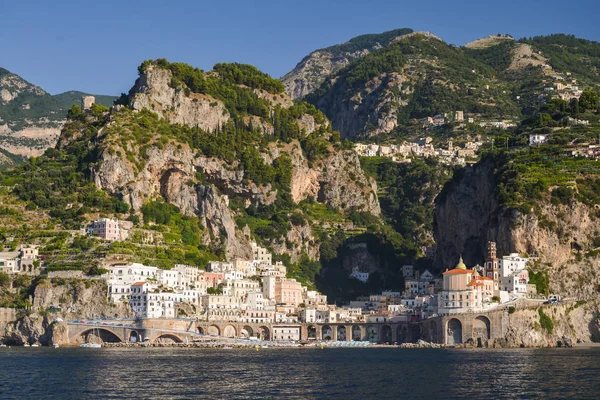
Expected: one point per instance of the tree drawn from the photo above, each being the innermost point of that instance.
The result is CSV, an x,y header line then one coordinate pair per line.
x,y
589,100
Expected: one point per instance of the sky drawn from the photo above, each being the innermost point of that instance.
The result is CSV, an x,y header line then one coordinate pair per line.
x,y
96,46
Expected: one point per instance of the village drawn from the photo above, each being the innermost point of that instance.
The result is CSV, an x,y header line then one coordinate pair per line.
x,y
258,291
402,153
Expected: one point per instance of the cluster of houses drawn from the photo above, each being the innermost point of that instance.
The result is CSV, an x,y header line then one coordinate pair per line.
x,y
258,291
254,291
22,261
563,88
457,290
422,148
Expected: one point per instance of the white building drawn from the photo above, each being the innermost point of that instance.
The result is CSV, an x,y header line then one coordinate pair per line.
x,y
538,139
286,333
121,277
20,261
261,254
514,276
361,276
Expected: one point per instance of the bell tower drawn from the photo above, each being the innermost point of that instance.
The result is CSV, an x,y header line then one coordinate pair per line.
x,y
491,266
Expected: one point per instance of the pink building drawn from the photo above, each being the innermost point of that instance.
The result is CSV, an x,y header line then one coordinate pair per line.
x,y
288,291
105,228
212,279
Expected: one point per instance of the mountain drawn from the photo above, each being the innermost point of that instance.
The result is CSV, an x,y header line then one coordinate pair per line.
x,y
390,88
310,73
200,164
30,118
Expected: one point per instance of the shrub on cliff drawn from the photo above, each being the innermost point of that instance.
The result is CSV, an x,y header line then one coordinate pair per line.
x,y
546,322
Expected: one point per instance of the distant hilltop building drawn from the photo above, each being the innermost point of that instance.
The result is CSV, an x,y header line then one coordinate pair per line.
x,y
87,102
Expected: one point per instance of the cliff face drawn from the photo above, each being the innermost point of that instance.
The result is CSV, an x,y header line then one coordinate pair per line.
x,y
312,71
153,91
571,324
468,214
75,298
369,110
170,170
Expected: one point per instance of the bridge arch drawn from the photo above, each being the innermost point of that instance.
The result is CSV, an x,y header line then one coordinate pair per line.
x,y
134,337
326,332
481,328
247,331
402,334
341,333
229,331
454,331
312,332
385,334
214,330
371,333
168,338
356,333
264,333
97,335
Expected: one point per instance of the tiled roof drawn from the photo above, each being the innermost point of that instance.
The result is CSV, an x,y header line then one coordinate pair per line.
x,y
458,271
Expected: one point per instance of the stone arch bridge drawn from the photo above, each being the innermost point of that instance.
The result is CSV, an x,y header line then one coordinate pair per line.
x,y
187,330
461,328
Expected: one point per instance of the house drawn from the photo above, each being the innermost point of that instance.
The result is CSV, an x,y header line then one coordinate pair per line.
x,y
538,139
105,228
361,276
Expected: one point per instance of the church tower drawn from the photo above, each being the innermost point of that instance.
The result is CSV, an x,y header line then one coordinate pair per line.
x,y
491,267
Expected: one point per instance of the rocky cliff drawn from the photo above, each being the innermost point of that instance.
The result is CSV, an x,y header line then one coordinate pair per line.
x,y
153,91
571,323
203,185
561,236
312,71
69,299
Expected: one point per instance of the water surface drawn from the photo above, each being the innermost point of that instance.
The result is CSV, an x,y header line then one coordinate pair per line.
x,y
163,373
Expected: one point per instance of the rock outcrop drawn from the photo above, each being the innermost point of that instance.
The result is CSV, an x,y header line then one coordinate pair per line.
x,y
312,71
202,186
572,323
153,91
66,299
369,110
468,214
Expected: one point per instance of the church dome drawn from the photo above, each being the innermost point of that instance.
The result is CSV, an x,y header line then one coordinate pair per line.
x,y
461,264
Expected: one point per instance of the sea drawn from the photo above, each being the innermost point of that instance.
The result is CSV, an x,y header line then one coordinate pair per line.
x,y
300,373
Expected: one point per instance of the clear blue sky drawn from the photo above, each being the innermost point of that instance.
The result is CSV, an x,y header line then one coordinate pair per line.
x,y
95,46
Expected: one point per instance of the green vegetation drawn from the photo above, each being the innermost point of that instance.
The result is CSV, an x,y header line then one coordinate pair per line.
x,y
248,75
568,53
368,41
408,193
232,84
524,177
546,321
498,56
455,80
541,280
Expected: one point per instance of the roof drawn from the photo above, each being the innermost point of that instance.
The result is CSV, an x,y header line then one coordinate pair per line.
x,y
458,271
139,284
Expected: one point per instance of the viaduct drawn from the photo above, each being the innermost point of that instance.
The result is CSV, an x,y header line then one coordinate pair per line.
x,y
451,329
